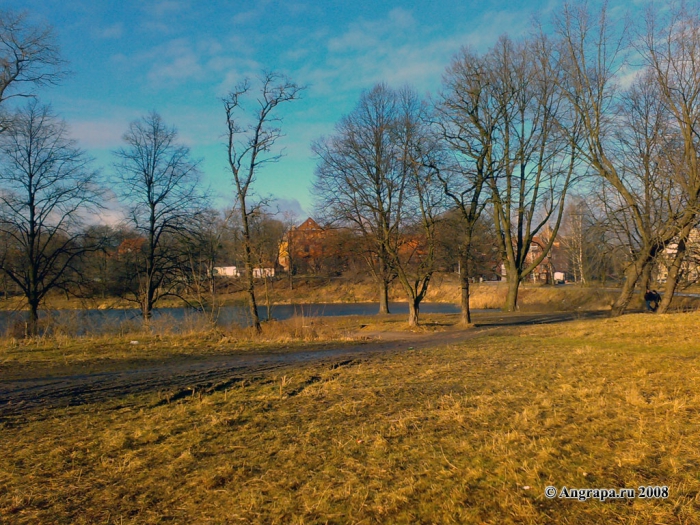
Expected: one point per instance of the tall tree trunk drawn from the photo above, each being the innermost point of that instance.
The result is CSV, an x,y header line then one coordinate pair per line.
x,y
632,276
248,254
146,309
674,271
250,289
383,276
645,278
147,300
466,315
33,322
413,311
513,289
383,296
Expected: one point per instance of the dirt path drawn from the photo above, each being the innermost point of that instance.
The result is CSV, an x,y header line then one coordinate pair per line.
x,y
180,377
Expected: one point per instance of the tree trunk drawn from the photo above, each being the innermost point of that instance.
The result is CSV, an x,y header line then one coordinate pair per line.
x,y
674,271
147,303
413,311
645,278
632,275
671,280
383,296
513,289
250,289
250,283
147,309
466,315
33,322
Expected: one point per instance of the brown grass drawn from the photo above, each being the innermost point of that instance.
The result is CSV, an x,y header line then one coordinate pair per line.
x,y
63,354
470,433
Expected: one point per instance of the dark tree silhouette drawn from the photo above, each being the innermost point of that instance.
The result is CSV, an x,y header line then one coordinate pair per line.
x,y
46,189
252,134
158,182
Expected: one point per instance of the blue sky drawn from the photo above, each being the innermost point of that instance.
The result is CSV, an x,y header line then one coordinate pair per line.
x,y
180,57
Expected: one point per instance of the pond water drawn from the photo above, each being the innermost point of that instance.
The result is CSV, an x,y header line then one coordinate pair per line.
x,y
96,321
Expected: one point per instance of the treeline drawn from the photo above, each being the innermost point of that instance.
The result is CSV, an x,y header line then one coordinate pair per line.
x,y
51,197
582,135
589,104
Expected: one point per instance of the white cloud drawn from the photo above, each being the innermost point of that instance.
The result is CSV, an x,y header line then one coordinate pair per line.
x,y
110,32
397,50
287,208
368,34
246,17
165,7
178,62
202,60
99,134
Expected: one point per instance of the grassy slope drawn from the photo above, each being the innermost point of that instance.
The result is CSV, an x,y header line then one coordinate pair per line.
x,y
470,434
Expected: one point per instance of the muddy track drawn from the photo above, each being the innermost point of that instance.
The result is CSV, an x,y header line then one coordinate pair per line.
x,y
177,378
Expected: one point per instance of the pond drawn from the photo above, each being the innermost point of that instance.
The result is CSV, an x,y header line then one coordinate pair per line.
x,y
98,321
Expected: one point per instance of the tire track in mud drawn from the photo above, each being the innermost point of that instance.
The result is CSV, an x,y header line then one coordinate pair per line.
x,y
178,378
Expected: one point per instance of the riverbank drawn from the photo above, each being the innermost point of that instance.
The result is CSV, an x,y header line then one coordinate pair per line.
x,y
444,288
465,432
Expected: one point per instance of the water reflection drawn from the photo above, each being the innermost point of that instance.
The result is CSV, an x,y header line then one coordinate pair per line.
x,y
96,321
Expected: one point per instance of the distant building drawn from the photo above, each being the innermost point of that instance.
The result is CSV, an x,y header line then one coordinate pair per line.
x,y
226,271
554,267
302,244
259,273
690,267
132,245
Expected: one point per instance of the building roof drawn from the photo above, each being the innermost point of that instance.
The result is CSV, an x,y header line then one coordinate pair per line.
x,y
309,224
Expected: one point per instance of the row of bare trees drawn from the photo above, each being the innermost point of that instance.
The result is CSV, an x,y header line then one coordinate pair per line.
x,y
604,107
640,140
49,193
376,175
395,166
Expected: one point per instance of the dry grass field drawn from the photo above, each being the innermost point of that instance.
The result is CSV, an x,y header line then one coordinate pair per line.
x,y
466,433
68,355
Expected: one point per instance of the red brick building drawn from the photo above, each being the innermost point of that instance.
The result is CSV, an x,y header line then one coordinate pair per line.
x,y
304,243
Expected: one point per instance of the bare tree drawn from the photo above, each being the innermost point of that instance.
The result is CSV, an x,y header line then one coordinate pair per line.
x,y
361,183
252,134
158,182
640,141
376,175
203,242
29,57
671,49
47,187
535,162
413,255
468,118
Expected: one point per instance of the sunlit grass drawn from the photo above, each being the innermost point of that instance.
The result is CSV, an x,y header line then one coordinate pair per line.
x,y
470,433
66,355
